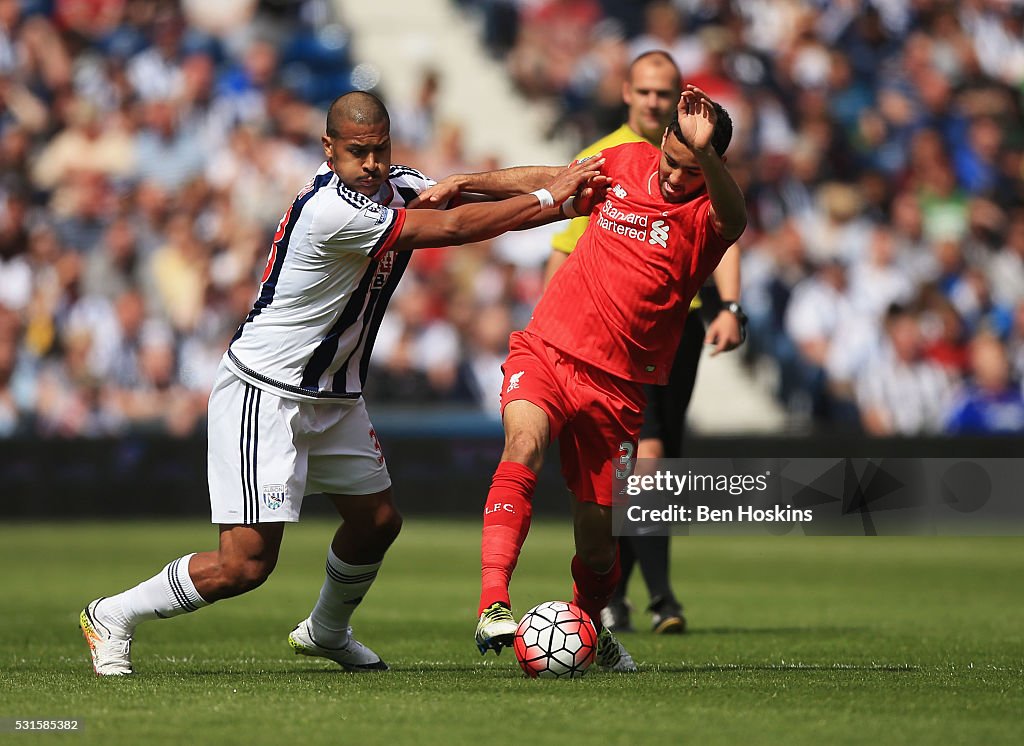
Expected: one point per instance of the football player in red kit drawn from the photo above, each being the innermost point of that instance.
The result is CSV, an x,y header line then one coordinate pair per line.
x,y
609,322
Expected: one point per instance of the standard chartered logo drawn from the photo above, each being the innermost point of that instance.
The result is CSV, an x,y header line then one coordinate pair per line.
x,y
659,233
633,225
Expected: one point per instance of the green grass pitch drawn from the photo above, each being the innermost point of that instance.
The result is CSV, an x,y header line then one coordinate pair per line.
x,y
794,640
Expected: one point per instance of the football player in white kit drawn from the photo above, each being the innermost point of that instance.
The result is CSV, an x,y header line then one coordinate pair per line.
x,y
286,414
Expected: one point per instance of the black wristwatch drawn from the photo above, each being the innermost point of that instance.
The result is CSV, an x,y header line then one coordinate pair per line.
x,y
737,310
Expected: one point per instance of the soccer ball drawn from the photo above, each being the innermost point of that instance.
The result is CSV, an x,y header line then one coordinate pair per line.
x,y
555,640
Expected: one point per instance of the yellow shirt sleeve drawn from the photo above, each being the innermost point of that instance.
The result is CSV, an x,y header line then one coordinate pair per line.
x,y
565,240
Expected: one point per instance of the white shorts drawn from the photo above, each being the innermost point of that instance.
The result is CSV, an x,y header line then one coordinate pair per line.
x,y
266,452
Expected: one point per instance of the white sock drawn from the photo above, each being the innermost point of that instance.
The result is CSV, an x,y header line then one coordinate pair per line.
x,y
170,592
343,590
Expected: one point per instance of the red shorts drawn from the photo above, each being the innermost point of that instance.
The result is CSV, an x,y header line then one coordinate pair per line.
x,y
595,416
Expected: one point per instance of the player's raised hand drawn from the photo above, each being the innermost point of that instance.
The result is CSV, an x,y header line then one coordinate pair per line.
x,y
569,180
697,118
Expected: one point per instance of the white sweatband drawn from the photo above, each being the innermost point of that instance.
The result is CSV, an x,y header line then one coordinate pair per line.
x,y
546,200
568,208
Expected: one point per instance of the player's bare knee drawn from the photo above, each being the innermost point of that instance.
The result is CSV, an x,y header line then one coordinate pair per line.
x,y
253,573
524,448
387,524
371,526
243,574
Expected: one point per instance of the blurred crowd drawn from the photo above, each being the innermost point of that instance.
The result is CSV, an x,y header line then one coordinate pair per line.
x,y
146,148
149,148
879,143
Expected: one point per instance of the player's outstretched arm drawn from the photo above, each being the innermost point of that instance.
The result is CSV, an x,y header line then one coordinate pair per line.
x,y
697,124
587,197
500,184
478,222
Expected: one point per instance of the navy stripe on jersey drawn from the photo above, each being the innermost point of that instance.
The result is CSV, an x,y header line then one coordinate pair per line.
x,y
287,386
324,353
270,285
377,315
354,198
372,318
408,193
397,170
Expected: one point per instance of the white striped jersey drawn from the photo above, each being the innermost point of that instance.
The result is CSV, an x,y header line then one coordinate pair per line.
x,y
331,271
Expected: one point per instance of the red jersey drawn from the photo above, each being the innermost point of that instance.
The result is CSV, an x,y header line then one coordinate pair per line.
x,y
620,300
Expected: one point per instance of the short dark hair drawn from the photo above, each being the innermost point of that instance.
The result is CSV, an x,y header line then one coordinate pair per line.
x,y
722,135
356,106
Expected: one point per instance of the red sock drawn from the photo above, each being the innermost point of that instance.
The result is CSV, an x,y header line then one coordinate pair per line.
x,y
506,523
591,590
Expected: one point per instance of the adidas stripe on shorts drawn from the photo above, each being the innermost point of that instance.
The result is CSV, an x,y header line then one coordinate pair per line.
x,y
267,452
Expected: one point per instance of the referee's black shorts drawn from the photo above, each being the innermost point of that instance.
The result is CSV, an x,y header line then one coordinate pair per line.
x,y
665,415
